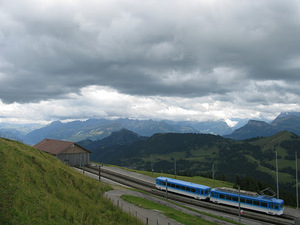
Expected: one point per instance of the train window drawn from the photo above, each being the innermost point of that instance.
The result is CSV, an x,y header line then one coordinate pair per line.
x,y
264,204
177,186
236,199
242,200
164,183
168,184
281,205
212,194
172,185
222,196
228,197
255,203
193,190
276,206
248,201
188,189
182,188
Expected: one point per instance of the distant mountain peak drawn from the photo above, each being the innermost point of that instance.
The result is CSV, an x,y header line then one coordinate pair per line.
x,y
288,114
253,128
55,123
257,123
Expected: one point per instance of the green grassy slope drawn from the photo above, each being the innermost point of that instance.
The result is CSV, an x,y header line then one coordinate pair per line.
x,y
36,188
286,159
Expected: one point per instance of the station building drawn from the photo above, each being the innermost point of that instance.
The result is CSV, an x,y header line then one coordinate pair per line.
x,y
66,151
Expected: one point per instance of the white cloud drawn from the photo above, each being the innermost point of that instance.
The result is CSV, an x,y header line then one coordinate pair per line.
x,y
194,60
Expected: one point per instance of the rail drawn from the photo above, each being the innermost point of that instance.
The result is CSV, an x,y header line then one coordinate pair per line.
x,y
150,188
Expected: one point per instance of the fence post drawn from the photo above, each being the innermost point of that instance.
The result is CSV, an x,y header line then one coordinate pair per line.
x,y
147,221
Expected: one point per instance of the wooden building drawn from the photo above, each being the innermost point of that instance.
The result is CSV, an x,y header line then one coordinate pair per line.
x,y
66,151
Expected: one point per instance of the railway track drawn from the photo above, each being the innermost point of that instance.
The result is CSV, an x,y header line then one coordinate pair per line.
x,y
150,188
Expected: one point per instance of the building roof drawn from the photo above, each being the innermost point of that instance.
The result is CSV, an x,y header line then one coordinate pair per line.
x,y
55,147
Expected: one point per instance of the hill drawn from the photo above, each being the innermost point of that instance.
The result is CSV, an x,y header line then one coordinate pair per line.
x,y
289,121
36,188
252,129
196,153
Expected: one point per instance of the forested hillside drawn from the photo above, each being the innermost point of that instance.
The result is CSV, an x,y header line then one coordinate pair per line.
x,y
195,154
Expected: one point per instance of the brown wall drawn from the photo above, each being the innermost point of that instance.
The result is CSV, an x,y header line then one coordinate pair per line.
x,y
75,156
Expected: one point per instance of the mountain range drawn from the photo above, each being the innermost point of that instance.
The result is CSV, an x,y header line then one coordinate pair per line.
x,y
285,121
97,129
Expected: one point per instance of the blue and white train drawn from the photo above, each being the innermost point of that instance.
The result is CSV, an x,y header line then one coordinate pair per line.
x,y
222,195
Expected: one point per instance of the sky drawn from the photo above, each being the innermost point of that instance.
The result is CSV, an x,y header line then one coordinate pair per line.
x,y
192,60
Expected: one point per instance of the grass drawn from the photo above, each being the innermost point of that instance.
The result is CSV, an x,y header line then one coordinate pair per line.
x,y
167,211
36,188
203,213
195,179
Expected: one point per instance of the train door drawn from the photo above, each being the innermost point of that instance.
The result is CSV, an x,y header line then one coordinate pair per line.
x,y
270,208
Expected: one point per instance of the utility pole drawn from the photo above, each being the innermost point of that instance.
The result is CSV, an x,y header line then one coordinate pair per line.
x,y
151,165
277,175
175,168
213,175
100,171
166,188
297,189
239,204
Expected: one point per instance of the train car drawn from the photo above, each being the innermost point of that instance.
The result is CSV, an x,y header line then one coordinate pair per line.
x,y
248,200
196,191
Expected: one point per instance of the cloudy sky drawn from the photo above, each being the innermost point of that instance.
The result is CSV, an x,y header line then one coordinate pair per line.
x,y
172,59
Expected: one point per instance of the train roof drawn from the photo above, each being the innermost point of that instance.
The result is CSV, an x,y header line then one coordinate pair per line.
x,y
249,194
185,183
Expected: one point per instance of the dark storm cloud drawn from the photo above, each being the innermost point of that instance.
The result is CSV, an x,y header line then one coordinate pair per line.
x,y
187,49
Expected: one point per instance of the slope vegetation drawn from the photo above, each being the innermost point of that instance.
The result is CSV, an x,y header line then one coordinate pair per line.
x,y
251,162
36,188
